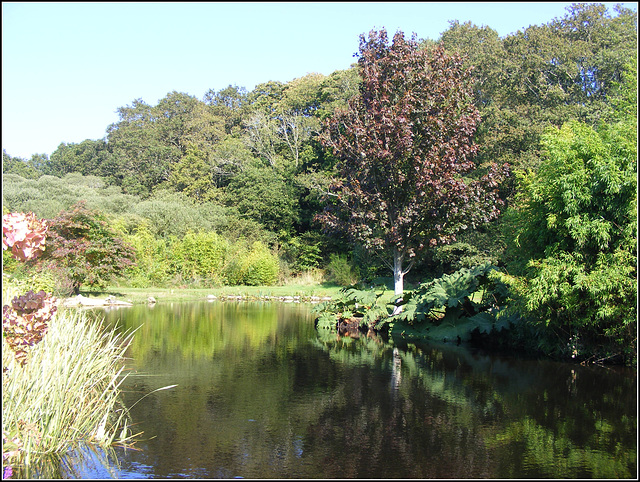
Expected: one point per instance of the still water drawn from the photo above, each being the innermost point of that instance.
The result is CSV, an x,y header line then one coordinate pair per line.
x,y
261,395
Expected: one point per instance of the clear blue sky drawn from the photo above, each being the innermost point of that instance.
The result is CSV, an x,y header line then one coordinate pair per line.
x,y
67,67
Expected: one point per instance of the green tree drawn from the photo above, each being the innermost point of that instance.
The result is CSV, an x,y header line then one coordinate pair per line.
x,y
19,166
174,116
81,243
624,103
302,95
543,75
261,135
192,175
404,145
265,96
280,121
296,115
229,104
134,143
335,90
149,141
39,162
574,264
266,196
229,157
90,157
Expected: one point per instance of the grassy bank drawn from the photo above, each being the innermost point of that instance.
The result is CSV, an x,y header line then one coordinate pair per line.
x,y
67,394
164,295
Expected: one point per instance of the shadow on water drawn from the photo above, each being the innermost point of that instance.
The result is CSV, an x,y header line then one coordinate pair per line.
x,y
261,395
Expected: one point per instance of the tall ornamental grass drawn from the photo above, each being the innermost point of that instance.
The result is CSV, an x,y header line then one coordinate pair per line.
x,y
67,394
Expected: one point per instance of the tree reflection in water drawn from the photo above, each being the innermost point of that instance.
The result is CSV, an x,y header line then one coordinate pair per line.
x,y
262,394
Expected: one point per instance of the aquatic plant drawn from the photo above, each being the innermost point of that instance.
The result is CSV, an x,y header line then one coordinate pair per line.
x,y
68,392
352,309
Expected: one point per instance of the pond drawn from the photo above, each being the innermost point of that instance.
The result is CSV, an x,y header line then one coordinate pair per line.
x,y
261,395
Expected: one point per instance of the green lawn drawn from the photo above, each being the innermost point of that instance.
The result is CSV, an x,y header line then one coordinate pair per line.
x,y
140,295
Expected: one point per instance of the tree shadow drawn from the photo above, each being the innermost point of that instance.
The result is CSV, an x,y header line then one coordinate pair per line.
x,y
99,293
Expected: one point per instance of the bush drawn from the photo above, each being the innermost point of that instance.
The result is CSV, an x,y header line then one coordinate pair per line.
x,y
81,243
265,196
48,195
233,267
576,246
260,267
201,255
51,280
340,271
169,214
154,258
302,253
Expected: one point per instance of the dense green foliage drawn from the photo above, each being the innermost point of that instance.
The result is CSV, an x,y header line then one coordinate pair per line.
x,y
225,189
452,307
544,75
354,309
447,309
575,257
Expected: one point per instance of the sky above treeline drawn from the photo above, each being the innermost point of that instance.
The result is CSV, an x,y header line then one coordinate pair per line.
x,y
67,67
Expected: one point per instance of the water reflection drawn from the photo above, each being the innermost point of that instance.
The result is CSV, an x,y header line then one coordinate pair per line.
x,y
82,461
261,395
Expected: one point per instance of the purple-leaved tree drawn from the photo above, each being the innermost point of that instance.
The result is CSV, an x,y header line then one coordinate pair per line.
x,y
405,154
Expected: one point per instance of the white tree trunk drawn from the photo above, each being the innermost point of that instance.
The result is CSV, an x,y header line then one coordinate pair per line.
x,y
398,278
398,275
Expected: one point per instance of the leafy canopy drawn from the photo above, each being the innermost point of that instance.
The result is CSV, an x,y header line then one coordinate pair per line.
x,y
405,149
81,243
576,244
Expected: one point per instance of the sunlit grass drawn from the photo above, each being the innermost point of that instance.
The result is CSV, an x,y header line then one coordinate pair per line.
x,y
67,393
306,278
162,295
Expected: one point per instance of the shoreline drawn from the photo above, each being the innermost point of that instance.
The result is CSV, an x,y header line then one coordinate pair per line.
x,y
124,296
81,301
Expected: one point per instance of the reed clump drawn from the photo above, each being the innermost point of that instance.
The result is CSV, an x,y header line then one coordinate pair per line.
x,y
67,393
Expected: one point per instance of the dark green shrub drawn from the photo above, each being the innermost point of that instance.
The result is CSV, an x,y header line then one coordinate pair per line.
x,y
302,253
574,266
340,271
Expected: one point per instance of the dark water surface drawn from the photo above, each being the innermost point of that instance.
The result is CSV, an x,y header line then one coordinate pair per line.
x,y
260,395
